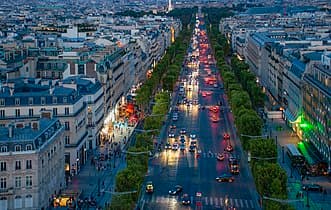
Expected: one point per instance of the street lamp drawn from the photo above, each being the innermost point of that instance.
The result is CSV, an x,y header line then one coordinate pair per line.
x,y
307,199
283,155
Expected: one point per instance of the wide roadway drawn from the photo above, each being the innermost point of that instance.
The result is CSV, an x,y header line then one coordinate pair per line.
x,y
197,174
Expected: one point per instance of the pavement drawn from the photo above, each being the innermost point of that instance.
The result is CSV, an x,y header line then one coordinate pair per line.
x,y
316,200
96,179
197,174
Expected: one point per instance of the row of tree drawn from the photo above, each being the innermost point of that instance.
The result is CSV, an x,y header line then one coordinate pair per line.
x,y
245,96
157,90
132,177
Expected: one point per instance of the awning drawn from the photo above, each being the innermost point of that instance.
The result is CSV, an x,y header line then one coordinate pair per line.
x,y
289,116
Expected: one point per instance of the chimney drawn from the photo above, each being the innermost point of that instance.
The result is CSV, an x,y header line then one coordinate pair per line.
x,y
11,90
51,90
10,130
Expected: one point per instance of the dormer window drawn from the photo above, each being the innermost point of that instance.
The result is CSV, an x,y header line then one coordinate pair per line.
x,y
28,147
54,100
42,100
30,101
17,148
17,101
3,149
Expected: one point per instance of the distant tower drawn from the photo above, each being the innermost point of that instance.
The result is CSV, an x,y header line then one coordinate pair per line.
x,y
169,6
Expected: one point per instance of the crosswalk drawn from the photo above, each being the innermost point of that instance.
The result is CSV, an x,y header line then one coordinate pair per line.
x,y
239,203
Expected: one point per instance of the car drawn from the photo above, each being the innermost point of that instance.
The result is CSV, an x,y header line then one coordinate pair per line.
x,y
220,157
186,199
175,146
171,135
215,119
193,136
176,190
173,126
183,131
226,136
182,140
215,85
203,94
182,146
149,187
191,148
214,109
225,178
229,148
167,146
312,187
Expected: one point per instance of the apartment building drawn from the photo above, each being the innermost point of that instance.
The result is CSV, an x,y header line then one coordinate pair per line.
x,y
317,106
92,92
26,99
31,159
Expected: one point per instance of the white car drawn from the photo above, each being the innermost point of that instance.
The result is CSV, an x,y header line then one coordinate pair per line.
x,y
193,136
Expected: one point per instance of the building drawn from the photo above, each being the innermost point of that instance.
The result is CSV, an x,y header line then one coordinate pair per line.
x,y
31,163
92,91
26,99
316,122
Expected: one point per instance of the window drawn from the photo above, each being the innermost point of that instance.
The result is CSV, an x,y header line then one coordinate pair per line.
x,y
3,166
66,111
2,113
65,100
17,101
28,164
30,112
17,148
42,100
28,181
17,112
67,140
67,126
54,100
3,149
18,182
54,111
28,147
30,101
28,201
3,183
18,202
17,165
2,102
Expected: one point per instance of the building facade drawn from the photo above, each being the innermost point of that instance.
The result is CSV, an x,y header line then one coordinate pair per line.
x,y
30,158
317,107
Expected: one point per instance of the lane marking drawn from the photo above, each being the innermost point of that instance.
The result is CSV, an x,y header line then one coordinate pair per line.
x,y
211,201
241,203
231,201
236,202
206,201
221,201
246,203
252,204
217,201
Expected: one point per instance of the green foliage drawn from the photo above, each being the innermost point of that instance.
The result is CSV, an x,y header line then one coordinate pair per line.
x,y
165,73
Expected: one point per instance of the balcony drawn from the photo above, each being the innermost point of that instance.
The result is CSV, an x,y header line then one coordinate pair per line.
x,y
7,191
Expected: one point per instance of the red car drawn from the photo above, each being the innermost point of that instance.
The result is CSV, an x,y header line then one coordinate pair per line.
x,y
226,136
229,148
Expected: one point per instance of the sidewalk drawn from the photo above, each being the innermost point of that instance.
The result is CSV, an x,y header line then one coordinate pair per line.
x,y
96,178
317,200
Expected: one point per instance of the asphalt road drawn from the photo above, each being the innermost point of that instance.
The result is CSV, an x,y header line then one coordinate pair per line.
x,y
197,174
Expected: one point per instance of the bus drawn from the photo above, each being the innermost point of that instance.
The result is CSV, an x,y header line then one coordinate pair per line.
x,y
295,156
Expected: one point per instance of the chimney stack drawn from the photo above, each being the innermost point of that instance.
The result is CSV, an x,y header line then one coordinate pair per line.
x,y
10,130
